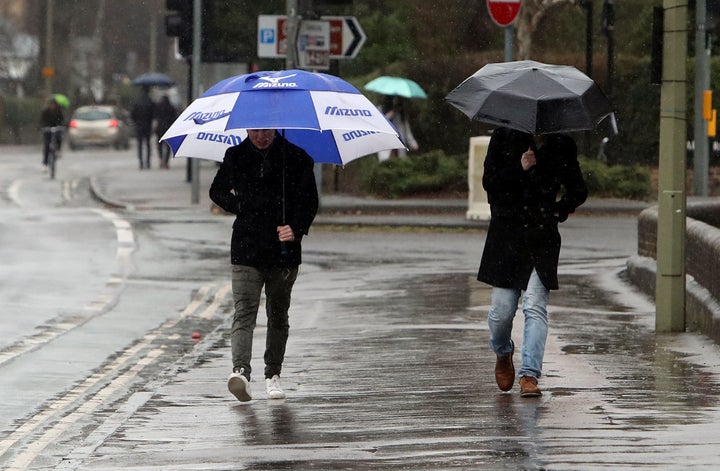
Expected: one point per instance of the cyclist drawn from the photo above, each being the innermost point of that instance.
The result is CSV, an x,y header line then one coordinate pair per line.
x,y
51,116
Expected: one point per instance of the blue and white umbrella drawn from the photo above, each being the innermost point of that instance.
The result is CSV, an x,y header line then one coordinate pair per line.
x,y
321,113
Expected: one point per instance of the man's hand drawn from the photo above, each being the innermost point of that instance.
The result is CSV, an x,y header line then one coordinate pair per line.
x,y
285,234
528,159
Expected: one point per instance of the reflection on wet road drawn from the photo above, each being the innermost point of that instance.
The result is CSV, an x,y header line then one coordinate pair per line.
x,y
389,368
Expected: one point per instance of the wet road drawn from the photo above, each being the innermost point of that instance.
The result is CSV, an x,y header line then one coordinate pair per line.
x,y
387,366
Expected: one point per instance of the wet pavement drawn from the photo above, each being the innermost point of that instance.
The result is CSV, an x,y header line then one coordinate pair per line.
x,y
388,368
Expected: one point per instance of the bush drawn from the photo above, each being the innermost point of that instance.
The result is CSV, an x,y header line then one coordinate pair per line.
x,y
20,120
432,172
616,181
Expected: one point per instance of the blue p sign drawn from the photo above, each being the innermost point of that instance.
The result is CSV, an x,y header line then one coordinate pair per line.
x,y
267,36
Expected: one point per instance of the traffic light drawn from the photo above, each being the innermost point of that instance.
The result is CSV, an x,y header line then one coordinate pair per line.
x,y
707,105
712,124
180,24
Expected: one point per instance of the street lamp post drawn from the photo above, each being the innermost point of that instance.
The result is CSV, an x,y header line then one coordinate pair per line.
x,y
48,70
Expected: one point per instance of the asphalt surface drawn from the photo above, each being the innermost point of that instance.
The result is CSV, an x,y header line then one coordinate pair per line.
x,y
416,392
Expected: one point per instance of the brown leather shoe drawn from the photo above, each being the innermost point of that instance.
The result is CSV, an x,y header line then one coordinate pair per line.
x,y
529,387
505,372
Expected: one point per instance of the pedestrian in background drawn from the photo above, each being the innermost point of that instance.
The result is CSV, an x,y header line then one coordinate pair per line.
x,y
395,110
523,180
165,115
142,114
269,184
51,116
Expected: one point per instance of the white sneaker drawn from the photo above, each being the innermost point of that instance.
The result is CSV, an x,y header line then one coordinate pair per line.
x,y
239,386
272,386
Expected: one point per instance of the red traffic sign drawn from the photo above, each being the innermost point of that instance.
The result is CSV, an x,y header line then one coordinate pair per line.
x,y
504,12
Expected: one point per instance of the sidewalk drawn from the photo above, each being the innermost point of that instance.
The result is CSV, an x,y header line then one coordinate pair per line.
x,y
168,189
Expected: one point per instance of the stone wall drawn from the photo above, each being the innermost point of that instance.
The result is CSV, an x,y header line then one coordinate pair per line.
x,y
702,264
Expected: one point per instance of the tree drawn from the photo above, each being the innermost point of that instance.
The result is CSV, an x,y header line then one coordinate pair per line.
x,y
531,14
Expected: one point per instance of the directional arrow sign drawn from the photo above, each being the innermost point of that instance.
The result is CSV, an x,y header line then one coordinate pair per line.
x,y
346,36
504,12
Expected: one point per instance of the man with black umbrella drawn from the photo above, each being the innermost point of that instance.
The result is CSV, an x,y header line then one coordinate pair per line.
x,y
523,180
269,184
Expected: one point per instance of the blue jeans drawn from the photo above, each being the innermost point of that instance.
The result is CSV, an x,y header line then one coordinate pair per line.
x,y
247,285
500,321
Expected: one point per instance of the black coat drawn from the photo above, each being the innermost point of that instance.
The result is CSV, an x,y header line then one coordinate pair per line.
x,y
525,209
249,184
52,116
142,114
165,115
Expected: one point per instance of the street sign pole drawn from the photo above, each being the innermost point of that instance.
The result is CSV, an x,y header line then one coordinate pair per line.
x,y
509,35
504,13
196,60
293,21
702,83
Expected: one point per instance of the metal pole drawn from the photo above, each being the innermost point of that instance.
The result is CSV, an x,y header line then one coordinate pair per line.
x,y
196,51
49,14
609,29
589,38
293,23
509,36
153,42
702,83
670,276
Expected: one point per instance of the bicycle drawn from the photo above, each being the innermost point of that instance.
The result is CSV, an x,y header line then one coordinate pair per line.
x,y
53,147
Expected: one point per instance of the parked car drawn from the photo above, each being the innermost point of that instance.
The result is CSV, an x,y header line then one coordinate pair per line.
x,y
99,125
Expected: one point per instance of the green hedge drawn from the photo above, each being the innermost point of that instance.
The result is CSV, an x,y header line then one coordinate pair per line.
x,y
20,120
616,181
432,172
436,174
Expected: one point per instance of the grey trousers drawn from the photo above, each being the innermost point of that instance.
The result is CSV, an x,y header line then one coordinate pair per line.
x,y
247,285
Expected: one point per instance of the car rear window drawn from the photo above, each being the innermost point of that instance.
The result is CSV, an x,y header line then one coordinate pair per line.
x,y
93,115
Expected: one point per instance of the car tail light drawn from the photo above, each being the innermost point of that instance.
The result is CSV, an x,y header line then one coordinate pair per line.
x,y
73,123
113,123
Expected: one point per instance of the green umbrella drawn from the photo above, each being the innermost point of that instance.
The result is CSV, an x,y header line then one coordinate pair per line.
x,y
387,85
62,100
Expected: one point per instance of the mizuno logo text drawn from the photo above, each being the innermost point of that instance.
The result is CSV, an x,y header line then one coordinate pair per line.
x,y
335,111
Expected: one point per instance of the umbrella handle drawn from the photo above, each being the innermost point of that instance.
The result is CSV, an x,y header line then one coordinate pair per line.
x,y
284,252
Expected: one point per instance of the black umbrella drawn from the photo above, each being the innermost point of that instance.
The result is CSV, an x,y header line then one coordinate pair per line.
x,y
153,79
532,97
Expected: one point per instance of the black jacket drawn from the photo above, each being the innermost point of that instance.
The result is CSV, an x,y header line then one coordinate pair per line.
x,y
525,209
249,184
52,116
165,115
142,114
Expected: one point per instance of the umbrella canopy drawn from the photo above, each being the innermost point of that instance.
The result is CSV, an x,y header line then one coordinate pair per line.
x,y
532,97
387,85
61,100
321,113
153,79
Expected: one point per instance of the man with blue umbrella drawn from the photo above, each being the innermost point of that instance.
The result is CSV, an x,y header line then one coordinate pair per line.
x,y
269,184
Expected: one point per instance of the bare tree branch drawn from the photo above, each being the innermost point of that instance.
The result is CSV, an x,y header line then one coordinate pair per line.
x,y
531,13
